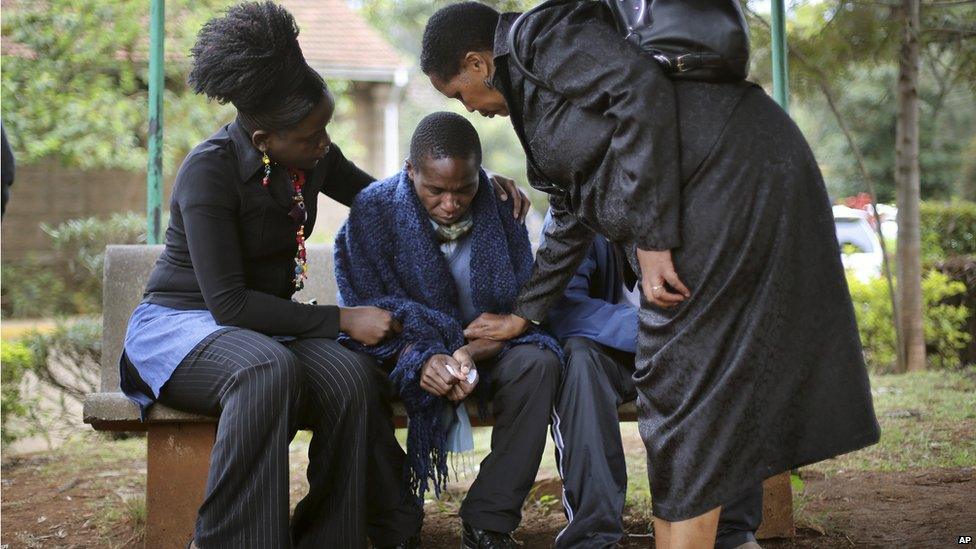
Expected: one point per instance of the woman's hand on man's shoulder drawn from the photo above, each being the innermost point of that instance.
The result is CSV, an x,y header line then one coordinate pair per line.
x,y
505,187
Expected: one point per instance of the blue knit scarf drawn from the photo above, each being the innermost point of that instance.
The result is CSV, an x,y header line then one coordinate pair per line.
x,y
387,256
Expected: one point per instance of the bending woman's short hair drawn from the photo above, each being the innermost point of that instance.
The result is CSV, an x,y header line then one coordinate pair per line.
x,y
452,32
250,57
444,135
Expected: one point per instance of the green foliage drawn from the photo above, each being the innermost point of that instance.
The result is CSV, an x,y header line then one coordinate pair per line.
x,y
851,48
403,21
872,307
67,356
31,289
963,270
832,39
80,247
75,86
63,367
946,124
948,229
945,324
796,482
71,283
966,186
16,359
75,83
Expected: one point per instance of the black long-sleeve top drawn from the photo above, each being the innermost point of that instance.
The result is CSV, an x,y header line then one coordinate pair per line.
x,y
230,244
601,137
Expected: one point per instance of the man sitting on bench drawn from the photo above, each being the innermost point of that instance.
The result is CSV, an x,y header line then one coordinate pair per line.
x,y
597,323
433,245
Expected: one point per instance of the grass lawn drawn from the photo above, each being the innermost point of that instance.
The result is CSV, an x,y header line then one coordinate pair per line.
x,y
928,419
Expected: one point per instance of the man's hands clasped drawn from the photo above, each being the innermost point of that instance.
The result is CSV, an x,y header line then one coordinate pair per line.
x,y
447,376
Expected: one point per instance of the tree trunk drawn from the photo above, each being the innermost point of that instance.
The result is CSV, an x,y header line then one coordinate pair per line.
x,y
907,180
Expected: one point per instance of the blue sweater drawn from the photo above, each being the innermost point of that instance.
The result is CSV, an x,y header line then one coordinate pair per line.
x,y
593,305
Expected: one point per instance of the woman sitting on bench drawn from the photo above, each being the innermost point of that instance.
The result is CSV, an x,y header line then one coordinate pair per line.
x,y
218,333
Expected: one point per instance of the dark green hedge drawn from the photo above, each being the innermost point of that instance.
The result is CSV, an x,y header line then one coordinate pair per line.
x,y
948,229
963,269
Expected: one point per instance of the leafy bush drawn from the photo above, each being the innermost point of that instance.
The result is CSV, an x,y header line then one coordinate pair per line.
x,y
32,289
72,282
872,307
948,229
67,357
80,246
46,375
963,269
945,324
16,359
80,98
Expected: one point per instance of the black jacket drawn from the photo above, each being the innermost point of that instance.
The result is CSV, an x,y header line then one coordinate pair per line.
x,y
601,138
769,317
7,170
230,244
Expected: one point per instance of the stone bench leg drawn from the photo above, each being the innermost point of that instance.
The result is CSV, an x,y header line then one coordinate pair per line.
x,y
177,461
777,519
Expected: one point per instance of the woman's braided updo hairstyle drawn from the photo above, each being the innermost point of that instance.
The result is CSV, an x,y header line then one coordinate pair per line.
x,y
250,57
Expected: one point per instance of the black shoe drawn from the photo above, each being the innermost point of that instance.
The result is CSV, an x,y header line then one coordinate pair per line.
x,y
413,542
473,538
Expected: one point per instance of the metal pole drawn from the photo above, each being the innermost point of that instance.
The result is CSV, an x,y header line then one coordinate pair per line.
x,y
154,172
781,91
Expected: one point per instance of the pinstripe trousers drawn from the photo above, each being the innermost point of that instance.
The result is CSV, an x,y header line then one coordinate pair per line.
x,y
263,391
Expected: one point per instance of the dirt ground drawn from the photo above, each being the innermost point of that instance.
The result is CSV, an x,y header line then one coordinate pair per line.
x,y
905,510
49,502
52,500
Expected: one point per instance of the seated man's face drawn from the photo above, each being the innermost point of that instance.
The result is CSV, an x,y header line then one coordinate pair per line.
x,y
445,186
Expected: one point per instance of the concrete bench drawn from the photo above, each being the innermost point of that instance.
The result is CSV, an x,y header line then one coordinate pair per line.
x,y
179,444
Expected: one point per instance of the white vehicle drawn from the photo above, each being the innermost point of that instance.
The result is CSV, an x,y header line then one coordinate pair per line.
x,y
859,244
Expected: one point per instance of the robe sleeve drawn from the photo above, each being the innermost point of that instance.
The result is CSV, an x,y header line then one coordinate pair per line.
x,y
564,246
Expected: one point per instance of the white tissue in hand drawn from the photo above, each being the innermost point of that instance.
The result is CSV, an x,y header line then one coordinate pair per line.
x,y
472,373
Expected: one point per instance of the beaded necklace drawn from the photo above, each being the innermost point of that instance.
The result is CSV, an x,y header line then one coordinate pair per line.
x,y
300,215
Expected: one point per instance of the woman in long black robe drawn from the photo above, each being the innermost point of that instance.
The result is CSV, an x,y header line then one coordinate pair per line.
x,y
749,362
